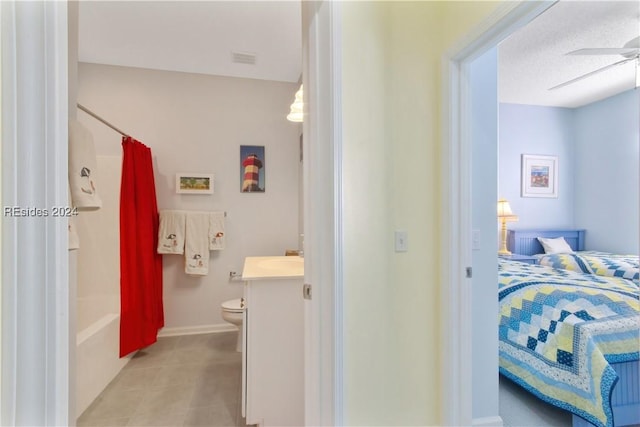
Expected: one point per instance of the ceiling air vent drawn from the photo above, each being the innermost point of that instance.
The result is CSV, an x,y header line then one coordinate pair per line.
x,y
243,58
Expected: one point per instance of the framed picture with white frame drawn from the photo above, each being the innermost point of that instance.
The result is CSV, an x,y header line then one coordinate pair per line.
x,y
194,183
539,176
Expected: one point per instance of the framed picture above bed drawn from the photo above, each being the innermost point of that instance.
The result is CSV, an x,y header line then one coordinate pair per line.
x,y
539,176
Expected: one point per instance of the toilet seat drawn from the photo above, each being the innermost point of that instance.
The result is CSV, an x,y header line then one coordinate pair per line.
x,y
232,306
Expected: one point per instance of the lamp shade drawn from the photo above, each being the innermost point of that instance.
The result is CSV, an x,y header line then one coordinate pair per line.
x,y
296,114
504,211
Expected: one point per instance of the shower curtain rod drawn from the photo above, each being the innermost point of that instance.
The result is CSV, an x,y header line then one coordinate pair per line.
x,y
97,117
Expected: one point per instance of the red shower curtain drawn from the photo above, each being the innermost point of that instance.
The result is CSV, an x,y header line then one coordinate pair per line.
x,y
140,265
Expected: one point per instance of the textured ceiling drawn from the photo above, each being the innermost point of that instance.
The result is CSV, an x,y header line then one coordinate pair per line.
x,y
534,59
200,36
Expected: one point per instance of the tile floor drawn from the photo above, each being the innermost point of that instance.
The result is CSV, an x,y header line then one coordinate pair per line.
x,y
189,380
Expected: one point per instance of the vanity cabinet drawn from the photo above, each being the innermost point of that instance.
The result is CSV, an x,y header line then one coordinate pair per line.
x,y
273,327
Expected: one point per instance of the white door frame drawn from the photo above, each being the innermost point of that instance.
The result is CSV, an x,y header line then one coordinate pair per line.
x,y
456,202
35,263
322,168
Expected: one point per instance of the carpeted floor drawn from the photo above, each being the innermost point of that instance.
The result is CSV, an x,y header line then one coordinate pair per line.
x,y
518,408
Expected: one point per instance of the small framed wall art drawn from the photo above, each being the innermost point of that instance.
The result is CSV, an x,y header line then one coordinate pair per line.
x,y
194,183
252,169
539,176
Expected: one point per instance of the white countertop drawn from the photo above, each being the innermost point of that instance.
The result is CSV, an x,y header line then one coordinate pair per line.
x,y
272,267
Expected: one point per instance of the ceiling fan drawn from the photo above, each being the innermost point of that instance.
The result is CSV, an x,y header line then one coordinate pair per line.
x,y
630,51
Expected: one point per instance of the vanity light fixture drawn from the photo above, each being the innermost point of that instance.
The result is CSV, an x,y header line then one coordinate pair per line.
x,y
504,215
296,114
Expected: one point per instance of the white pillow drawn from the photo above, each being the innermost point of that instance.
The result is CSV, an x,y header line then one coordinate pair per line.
x,y
555,246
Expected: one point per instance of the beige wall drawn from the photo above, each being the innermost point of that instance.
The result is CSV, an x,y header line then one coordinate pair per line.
x,y
392,88
460,17
368,315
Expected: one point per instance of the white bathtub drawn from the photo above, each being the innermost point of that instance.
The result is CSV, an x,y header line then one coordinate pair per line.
x,y
97,361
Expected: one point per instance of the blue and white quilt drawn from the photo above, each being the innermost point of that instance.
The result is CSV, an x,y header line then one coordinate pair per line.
x,y
593,262
560,330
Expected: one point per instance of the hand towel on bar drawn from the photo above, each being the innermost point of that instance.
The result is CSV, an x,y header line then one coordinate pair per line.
x,y
171,232
196,243
82,168
74,240
216,231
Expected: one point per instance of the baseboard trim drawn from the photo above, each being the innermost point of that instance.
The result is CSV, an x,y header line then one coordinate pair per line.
x,y
195,330
488,421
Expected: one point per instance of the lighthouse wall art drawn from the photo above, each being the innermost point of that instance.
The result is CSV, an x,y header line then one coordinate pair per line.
x,y
252,169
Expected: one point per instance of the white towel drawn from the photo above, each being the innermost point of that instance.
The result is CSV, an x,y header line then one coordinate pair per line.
x,y
216,231
74,240
196,243
82,168
171,232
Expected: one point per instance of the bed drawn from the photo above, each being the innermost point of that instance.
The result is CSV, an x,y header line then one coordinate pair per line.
x,y
525,242
572,339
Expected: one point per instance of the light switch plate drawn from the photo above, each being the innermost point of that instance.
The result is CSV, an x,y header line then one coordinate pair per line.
x,y
475,240
402,245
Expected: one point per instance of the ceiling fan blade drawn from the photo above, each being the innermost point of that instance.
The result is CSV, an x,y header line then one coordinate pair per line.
x,y
584,76
606,51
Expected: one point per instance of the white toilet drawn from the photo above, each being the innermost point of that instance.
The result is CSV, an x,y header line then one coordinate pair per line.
x,y
232,311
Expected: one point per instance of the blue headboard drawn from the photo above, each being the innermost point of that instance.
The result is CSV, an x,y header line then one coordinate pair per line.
x,y
525,242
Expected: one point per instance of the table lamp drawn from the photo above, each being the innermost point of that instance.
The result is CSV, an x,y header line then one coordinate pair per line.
x,y
505,215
